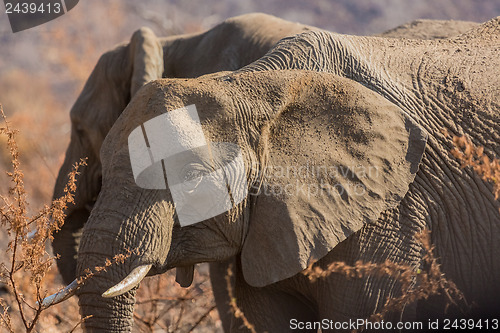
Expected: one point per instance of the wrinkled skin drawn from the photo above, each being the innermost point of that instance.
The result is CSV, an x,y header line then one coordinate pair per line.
x,y
386,112
446,84
122,71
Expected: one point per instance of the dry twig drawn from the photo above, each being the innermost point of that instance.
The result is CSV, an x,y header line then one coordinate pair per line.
x,y
470,155
28,256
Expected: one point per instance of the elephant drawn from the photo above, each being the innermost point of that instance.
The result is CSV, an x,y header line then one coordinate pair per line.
x,y
340,145
110,87
123,70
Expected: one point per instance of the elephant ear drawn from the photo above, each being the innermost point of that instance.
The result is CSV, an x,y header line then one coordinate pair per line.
x,y
146,54
333,159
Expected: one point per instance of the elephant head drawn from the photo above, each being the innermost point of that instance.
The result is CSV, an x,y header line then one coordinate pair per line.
x,y
120,73
117,76
320,157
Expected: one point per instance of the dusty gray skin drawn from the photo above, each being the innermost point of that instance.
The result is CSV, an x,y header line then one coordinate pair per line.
x,y
417,88
430,29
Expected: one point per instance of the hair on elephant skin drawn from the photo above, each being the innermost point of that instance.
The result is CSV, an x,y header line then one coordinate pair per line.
x,y
317,100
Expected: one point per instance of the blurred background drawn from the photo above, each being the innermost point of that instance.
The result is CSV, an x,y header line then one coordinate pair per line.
x,y
43,69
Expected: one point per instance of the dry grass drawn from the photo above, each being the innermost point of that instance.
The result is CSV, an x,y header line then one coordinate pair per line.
x,y
29,263
163,305
428,281
474,157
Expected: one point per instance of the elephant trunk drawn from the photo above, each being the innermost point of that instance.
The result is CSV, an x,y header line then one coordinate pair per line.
x,y
107,314
112,315
121,235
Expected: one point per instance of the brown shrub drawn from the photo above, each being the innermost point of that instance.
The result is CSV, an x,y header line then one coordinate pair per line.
x,y
28,267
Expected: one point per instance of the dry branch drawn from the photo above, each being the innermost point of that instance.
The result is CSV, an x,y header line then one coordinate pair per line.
x,y
27,255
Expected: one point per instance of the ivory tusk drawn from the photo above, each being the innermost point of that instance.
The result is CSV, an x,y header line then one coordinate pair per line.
x,y
132,280
60,296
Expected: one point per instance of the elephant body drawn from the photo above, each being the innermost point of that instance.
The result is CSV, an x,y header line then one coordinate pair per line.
x,y
448,84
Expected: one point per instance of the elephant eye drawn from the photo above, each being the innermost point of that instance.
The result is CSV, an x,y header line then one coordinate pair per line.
x,y
191,176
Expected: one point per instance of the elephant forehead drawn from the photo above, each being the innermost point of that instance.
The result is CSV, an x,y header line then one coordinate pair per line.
x,y
174,132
